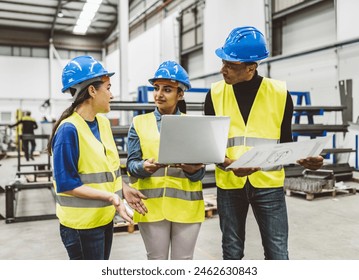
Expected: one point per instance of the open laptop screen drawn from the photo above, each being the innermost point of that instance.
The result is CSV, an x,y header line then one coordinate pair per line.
x,y
193,139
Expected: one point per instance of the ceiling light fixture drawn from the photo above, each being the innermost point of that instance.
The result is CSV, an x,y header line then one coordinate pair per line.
x,y
86,16
60,14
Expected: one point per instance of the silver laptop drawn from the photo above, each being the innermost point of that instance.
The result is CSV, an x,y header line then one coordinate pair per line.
x,y
193,139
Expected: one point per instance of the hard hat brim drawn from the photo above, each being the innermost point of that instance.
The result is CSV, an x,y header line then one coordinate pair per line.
x,y
188,86
221,54
109,74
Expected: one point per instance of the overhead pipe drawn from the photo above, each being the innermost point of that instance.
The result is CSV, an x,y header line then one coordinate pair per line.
x,y
58,8
146,15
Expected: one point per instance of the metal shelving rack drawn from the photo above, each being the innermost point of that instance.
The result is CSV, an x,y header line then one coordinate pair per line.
x,y
313,130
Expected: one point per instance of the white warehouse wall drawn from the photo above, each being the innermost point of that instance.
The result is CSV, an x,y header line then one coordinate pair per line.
x,y
148,50
25,84
24,77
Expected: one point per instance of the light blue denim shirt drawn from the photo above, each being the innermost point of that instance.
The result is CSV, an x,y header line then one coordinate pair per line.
x,y
135,160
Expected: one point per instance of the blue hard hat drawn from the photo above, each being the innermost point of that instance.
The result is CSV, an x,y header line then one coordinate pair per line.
x,y
80,69
171,70
244,44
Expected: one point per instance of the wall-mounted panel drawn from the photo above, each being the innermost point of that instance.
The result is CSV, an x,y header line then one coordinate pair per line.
x,y
309,29
347,19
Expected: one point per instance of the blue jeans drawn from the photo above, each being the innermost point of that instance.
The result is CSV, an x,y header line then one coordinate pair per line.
x,y
270,211
88,244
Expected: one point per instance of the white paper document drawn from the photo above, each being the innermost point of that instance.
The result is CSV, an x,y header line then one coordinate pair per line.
x,y
280,154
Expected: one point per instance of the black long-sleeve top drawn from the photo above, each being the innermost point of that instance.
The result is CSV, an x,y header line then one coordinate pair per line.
x,y
28,125
245,93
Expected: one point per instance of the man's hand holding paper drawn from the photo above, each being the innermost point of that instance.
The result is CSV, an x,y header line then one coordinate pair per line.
x,y
305,153
312,163
240,172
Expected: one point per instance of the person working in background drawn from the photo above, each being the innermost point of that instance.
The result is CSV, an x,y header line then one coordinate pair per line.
x,y
261,112
86,164
174,193
28,126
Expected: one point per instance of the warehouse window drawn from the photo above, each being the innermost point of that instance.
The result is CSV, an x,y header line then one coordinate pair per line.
x,y
24,51
5,50
68,54
44,52
40,52
191,32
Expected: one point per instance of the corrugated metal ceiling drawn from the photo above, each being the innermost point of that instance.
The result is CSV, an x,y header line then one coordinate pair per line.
x,y
41,16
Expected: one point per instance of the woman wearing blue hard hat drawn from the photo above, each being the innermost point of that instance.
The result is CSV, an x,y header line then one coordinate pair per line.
x,y
261,111
86,164
174,193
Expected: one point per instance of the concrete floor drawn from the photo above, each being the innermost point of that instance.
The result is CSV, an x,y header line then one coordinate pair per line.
x,y
326,228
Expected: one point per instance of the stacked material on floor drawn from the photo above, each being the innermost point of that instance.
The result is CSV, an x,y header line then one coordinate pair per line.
x,y
311,181
342,171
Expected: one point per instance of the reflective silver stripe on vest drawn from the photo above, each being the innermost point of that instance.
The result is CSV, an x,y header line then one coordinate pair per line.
x,y
185,195
272,168
176,172
235,141
153,193
174,193
159,173
249,141
76,202
173,172
118,172
132,179
97,178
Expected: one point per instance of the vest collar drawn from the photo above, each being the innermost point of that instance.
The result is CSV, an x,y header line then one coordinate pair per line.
x,y
159,116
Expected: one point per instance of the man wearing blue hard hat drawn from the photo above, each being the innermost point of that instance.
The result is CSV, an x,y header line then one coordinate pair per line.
x,y
261,112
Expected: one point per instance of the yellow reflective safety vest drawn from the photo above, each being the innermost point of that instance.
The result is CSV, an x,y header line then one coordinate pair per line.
x,y
170,194
263,127
28,118
99,168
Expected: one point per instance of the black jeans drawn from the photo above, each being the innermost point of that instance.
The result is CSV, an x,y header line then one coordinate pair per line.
x,y
25,148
